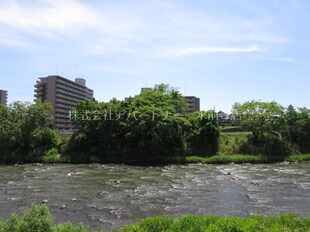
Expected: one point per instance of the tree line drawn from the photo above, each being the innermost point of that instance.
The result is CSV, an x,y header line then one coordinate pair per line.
x,y
151,127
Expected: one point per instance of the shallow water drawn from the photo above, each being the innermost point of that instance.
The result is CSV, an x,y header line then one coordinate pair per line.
x,y
113,195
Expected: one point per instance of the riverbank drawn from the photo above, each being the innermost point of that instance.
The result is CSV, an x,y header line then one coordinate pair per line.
x,y
215,159
241,159
38,218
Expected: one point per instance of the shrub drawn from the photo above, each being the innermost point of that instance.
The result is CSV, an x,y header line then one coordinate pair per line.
x,y
68,227
11,225
266,144
193,223
156,224
195,159
37,219
51,156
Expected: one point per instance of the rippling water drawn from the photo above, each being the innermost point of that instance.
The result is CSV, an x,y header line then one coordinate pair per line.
x,y
114,195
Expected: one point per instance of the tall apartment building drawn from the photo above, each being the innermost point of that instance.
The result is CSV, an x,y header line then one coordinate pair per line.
x,y
63,94
3,97
193,104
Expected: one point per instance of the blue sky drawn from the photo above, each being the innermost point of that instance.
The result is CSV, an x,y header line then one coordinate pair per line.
x,y
221,51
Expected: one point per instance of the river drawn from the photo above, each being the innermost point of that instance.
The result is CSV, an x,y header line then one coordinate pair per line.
x,y
108,196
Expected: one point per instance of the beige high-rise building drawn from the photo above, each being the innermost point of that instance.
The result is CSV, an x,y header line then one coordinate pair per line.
x,y
63,94
193,104
3,97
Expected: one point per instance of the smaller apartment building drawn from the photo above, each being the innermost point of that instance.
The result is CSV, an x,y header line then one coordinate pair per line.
x,y
193,104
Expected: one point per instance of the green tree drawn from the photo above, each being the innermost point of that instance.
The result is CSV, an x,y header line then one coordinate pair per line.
x,y
266,122
22,133
297,128
260,117
203,134
43,140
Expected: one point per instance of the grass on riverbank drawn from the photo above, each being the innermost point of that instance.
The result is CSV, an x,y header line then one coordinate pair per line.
x,y
298,158
239,159
192,223
39,219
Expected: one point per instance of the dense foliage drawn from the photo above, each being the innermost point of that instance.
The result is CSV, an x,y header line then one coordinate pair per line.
x,y
147,128
275,130
23,132
39,219
203,134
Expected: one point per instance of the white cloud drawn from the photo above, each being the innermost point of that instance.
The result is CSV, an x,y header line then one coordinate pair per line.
x,y
44,16
100,49
202,50
12,42
282,59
